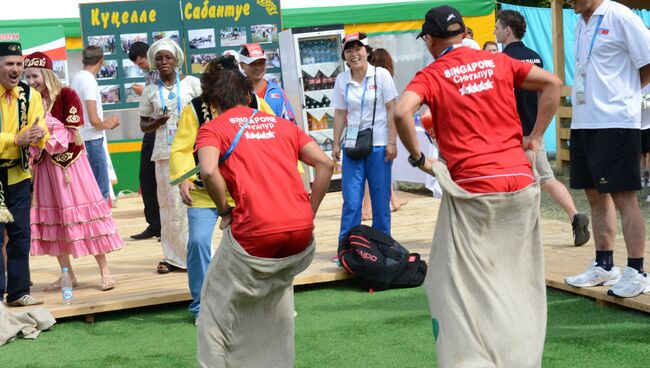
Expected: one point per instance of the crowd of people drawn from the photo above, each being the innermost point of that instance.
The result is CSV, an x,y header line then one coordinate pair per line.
x,y
204,150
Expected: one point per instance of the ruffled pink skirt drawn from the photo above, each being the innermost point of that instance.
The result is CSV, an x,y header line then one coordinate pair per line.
x,y
69,214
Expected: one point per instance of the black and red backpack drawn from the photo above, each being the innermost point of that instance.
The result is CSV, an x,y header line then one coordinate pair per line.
x,y
379,262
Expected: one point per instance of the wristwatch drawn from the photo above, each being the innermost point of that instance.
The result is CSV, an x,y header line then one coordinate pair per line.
x,y
417,163
224,213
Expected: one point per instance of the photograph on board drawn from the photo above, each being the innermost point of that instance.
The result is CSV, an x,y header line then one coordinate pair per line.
x,y
60,69
107,43
131,70
201,38
108,70
131,96
264,33
272,58
199,61
130,38
110,94
172,35
233,36
273,77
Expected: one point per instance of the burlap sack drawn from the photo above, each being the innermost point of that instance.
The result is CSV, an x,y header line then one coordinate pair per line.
x,y
24,324
485,281
246,316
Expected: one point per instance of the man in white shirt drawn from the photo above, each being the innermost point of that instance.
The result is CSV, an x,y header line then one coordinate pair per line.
x,y
612,65
85,84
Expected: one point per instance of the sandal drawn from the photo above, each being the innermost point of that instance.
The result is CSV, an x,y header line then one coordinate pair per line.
x,y
401,202
108,285
56,285
164,267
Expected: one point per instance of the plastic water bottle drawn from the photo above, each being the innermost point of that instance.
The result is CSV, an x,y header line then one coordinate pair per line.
x,y
66,287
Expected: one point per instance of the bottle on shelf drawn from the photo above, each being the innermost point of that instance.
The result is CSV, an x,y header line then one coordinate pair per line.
x,y
325,102
318,81
310,83
66,287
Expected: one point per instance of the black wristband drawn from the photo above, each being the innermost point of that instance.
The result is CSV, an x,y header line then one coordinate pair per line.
x,y
224,213
417,163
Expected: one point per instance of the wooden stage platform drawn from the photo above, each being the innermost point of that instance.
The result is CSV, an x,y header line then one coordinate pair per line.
x,y
139,285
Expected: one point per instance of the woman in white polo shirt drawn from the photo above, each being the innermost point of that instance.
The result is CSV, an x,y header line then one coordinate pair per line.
x,y
364,99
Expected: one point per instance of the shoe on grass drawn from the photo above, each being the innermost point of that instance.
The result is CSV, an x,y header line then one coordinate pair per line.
x,y
594,276
24,301
631,284
580,225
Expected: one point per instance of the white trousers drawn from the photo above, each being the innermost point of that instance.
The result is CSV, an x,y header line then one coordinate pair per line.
x,y
173,218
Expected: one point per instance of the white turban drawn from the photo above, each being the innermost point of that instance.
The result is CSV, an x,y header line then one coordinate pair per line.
x,y
167,45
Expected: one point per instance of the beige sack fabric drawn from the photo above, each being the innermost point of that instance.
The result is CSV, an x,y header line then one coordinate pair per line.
x,y
24,324
485,282
246,316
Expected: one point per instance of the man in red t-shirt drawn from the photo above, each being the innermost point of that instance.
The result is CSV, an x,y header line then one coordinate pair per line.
x,y
485,281
475,121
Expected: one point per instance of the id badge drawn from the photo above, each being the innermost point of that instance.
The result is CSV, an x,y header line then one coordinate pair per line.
x,y
579,84
171,132
352,134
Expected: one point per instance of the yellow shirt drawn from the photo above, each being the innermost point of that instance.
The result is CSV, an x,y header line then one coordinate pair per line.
x,y
9,123
182,153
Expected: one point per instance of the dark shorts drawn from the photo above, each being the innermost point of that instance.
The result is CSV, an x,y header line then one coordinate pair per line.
x,y
606,159
645,141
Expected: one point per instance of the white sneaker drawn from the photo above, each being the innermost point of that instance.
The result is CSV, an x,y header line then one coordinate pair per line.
x,y
594,276
631,284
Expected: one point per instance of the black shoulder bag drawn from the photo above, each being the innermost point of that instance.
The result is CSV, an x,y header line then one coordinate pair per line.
x,y
363,147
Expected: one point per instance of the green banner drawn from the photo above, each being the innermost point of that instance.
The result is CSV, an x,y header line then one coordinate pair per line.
x,y
203,29
379,13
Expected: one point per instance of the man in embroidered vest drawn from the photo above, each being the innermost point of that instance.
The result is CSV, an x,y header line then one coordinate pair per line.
x,y
22,124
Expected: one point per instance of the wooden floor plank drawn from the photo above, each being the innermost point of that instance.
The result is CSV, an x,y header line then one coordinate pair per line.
x,y
139,285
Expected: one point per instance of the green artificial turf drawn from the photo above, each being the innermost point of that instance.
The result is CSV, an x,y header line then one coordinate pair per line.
x,y
337,326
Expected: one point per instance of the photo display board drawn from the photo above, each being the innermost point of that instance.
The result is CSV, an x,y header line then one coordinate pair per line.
x,y
203,28
212,27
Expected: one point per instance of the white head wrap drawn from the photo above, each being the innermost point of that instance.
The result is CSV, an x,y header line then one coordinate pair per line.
x,y
167,45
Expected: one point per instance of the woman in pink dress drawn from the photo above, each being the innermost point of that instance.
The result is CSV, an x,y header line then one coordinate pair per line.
x,y
69,215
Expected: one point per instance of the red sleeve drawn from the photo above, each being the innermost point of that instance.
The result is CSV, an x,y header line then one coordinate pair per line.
x,y
421,85
72,114
303,138
520,70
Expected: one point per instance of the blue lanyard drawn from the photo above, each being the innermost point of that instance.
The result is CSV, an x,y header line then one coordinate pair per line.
x,y
450,48
237,137
363,97
593,40
446,51
163,105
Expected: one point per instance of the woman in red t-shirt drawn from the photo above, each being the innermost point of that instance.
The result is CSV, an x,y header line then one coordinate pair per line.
x,y
274,214
246,316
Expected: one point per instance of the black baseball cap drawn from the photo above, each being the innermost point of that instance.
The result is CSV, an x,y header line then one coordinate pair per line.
x,y
438,20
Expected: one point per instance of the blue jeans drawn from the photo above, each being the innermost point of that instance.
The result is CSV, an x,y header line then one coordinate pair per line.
x,y
201,222
355,172
99,166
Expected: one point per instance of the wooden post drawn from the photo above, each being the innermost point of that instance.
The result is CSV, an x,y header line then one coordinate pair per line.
x,y
558,63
